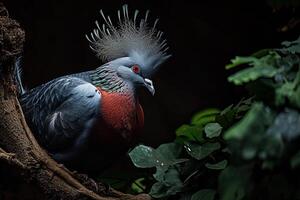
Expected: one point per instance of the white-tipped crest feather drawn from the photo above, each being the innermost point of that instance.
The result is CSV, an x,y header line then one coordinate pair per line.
x,y
130,38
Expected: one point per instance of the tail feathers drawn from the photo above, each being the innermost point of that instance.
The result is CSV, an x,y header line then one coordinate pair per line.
x,y
18,74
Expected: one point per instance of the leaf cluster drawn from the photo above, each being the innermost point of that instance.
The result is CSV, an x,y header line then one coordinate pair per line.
x,y
265,142
198,153
247,151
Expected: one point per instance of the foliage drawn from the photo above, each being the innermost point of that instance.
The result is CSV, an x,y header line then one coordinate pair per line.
x,y
198,151
247,151
266,141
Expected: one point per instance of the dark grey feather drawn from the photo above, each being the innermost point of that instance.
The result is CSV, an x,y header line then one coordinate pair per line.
x,y
59,110
18,75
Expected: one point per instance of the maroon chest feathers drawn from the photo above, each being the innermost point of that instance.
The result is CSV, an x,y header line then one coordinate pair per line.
x,y
121,118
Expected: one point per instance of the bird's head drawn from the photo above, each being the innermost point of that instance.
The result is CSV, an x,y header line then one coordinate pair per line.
x,y
132,48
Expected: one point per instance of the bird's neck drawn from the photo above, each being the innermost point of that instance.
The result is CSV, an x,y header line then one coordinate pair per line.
x,y
107,79
120,109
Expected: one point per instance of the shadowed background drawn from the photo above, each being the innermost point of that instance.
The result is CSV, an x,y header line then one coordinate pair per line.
x,y
203,37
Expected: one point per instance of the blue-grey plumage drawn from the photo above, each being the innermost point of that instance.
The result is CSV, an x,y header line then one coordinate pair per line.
x,y
60,109
98,108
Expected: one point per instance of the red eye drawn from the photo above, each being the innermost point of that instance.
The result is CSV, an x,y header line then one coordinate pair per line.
x,y
136,69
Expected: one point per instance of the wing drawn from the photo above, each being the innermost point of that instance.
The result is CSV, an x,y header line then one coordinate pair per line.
x,y
61,110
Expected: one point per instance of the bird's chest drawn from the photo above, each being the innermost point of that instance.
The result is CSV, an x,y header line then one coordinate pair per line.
x,y
121,117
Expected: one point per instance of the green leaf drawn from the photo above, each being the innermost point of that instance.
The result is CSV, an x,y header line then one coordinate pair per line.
x,y
237,61
143,156
163,158
191,133
165,155
137,186
212,130
204,194
169,185
227,110
169,151
261,67
205,116
158,190
227,116
264,57
261,53
244,105
251,74
230,114
233,182
295,98
160,174
217,166
249,138
118,179
172,177
199,152
161,171
256,119
289,43
289,91
291,47
283,92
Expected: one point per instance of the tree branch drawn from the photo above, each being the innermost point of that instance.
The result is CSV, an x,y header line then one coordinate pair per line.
x,y
10,158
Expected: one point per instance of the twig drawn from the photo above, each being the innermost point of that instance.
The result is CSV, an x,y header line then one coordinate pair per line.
x,y
10,158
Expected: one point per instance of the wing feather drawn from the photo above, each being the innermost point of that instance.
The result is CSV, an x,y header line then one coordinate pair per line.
x,y
59,110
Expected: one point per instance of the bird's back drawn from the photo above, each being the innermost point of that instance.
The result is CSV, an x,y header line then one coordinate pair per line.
x,y
60,108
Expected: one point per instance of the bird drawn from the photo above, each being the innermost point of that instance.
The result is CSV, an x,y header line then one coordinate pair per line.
x,y
96,116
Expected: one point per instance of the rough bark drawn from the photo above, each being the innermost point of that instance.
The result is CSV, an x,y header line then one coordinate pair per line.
x,y
18,147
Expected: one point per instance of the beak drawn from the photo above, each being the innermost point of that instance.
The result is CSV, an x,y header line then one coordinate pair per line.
x,y
149,85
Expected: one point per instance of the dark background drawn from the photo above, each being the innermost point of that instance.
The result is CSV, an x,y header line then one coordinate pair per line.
x,y
203,36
